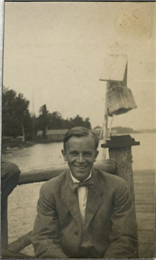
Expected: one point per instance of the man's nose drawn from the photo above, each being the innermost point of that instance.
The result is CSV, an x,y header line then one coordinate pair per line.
x,y
80,158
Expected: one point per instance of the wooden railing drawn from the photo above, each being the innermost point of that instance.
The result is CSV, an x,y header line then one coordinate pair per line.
x,y
144,204
33,176
40,175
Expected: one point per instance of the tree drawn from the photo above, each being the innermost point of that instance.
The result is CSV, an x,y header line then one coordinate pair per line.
x,y
55,121
15,114
79,121
22,112
87,124
43,120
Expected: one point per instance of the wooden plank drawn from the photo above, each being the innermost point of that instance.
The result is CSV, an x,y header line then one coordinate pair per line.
x,y
145,221
146,236
146,243
148,192
146,250
45,174
141,173
147,179
144,188
142,198
40,175
144,201
143,185
145,174
150,180
140,207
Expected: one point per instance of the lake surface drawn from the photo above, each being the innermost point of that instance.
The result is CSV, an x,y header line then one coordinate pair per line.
x,y
22,202
45,155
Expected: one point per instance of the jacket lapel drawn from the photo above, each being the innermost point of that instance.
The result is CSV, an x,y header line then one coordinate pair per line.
x,y
94,199
71,199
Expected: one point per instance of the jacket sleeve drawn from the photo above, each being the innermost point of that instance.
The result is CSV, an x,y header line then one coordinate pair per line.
x,y
9,178
123,235
45,235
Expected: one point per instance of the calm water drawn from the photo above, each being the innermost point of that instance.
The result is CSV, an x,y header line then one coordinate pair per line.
x,y
22,201
45,155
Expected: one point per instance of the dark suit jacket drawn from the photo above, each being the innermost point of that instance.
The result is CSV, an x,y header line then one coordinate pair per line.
x,y
9,178
110,223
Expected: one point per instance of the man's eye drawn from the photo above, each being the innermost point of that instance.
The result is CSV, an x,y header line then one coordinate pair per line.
x,y
73,153
88,154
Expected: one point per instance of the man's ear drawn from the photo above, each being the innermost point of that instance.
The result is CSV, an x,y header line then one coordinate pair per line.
x,y
64,154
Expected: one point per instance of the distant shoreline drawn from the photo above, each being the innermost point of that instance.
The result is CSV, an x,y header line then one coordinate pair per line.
x,y
10,146
144,131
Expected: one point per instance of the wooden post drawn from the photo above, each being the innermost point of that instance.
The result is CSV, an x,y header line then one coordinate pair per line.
x,y
105,124
4,224
120,152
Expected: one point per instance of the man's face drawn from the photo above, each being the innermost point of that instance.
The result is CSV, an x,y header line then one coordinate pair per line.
x,y
80,153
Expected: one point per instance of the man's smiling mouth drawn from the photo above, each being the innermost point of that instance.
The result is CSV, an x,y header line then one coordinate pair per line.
x,y
81,167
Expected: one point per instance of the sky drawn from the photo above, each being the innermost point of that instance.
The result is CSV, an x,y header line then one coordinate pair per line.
x,y
54,53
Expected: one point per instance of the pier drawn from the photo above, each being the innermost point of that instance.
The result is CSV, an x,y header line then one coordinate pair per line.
x,y
144,189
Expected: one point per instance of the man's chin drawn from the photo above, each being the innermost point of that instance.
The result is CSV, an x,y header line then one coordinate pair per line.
x,y
81,173
80,177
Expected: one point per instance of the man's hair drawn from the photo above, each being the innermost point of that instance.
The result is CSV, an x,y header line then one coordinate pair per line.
x,y
80,132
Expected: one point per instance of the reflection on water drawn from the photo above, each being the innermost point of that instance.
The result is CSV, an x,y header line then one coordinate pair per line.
x,y
23,200
37,156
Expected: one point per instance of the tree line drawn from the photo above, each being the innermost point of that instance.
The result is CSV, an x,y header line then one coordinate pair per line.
x,y
18,121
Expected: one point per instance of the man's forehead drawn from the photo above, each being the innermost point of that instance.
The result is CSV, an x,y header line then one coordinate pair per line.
x,y
72,149
86,142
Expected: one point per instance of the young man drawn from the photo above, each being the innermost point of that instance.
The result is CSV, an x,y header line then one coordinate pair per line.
x,y
84,212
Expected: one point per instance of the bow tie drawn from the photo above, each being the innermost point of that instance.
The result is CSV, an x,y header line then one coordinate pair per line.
x,y
88,184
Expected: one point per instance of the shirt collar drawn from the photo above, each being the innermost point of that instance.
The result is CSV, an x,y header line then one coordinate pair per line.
x,y
77,181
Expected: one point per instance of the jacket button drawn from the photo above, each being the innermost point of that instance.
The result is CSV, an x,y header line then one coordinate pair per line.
x,y
76,233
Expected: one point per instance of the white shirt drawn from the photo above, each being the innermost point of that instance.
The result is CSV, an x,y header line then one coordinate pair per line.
x,y
82,196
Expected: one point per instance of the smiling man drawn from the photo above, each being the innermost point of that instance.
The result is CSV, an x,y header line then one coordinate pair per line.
x,y
80,152
84,212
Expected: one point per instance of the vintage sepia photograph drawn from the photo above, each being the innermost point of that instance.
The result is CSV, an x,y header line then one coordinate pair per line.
x,y
78,130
